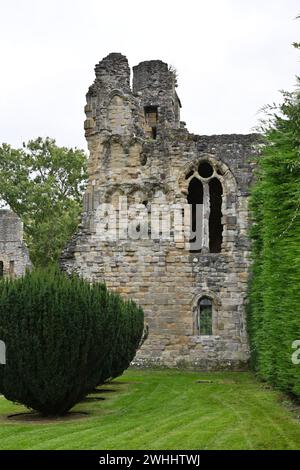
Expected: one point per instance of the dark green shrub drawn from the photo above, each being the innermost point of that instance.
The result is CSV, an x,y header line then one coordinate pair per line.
x,y
61,337
129,337
126,339
274,309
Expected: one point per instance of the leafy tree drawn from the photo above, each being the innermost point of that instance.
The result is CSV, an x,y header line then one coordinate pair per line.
x,y
43,184
274,310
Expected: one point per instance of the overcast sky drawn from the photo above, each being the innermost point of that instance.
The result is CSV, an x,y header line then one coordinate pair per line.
x,y
232,57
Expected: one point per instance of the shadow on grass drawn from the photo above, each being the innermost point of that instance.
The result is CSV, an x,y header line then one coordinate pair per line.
x,y
33,417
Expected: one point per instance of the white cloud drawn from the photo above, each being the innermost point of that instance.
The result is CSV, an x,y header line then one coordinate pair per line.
x,y
232,57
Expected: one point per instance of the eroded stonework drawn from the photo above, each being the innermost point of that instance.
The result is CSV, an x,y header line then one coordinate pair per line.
x,y
140,149
14,257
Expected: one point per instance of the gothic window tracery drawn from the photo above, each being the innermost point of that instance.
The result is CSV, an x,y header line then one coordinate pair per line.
x,y
205,198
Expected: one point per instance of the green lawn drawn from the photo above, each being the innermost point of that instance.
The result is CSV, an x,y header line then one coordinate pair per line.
x,y
166,410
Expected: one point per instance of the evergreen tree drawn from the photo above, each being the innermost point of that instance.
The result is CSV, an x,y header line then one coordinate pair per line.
x,y
63,337
274,309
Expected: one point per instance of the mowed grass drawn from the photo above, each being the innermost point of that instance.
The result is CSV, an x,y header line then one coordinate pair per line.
x,y
167,409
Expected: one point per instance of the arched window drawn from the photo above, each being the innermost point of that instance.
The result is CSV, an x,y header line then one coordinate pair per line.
x,y
204,317
205,189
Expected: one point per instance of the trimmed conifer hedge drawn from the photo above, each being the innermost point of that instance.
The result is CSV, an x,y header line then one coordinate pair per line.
x,y
63,337
274,308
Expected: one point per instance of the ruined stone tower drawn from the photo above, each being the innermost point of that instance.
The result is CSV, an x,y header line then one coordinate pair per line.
x,y
193,297
14,257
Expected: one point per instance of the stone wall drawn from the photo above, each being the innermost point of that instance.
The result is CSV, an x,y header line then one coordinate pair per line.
x,y
14,257
126,159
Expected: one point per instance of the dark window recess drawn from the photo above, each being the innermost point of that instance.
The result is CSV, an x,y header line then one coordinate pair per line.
x,y
1,269
205,170
153,132
204,317
215,224
151,118
195,196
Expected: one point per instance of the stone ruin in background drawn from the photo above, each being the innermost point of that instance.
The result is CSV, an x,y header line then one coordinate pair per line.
x,y
14,256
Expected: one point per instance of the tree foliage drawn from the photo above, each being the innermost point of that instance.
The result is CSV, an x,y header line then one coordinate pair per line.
x,y
63,337
43,184
274,310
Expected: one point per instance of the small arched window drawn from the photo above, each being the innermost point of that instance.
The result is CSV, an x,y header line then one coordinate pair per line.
x,y
204,317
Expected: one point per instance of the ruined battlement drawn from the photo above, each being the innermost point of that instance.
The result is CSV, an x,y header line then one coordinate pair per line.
x,y
153,75
155,82
113,72
147,110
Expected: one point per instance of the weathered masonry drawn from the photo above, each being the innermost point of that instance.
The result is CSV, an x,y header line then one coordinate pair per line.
x,y
14,257
193,297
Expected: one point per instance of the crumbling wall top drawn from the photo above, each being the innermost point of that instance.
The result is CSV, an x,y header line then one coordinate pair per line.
x,y
113,72
11,227
152,74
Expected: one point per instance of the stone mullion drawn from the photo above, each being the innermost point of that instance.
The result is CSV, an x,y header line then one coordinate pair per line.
x,y
206,213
